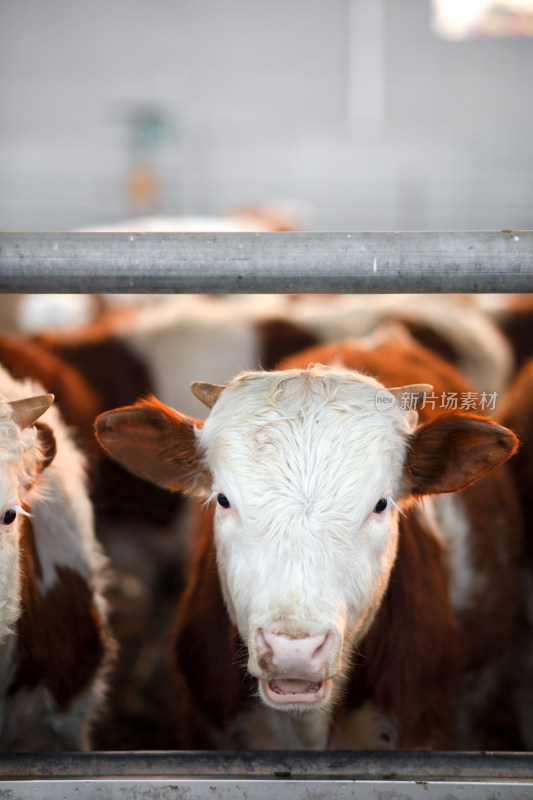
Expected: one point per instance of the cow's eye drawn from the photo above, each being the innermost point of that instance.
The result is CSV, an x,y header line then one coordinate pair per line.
x,y
9,517
380,506
223,501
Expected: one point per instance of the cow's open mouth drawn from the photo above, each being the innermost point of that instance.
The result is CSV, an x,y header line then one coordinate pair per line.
x,y
290,690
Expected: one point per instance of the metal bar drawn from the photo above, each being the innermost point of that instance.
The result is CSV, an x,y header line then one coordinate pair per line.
x,y
149,788
448,261
256,775
335,765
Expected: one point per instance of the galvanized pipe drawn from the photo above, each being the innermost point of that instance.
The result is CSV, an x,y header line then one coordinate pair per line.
x,y
329,764
154,788
448,261
284,775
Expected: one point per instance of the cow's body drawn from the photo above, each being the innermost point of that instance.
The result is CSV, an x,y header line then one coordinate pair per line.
x,y
361,625
53,639
517,412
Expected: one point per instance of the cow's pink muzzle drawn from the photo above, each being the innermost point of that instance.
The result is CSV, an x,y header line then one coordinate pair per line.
x,y
295,670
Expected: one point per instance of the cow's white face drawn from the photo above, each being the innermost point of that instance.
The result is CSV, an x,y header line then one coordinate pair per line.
x,y
306,470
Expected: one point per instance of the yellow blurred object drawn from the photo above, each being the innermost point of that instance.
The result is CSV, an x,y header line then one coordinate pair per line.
x,y
143,188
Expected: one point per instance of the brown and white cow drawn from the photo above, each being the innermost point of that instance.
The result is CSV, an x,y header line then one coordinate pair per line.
x,y
345,612
54,645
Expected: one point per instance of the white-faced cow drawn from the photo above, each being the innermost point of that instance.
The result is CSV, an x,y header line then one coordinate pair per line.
x,y
54,645
353,615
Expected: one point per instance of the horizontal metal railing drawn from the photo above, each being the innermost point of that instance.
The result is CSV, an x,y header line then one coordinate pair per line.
x,y
445,261
352,764
276,774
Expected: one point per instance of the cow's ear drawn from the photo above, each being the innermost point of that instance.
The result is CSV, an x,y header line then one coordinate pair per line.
x,y
155,443
47,443
454,450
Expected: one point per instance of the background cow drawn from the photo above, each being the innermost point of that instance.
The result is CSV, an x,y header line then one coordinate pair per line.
x,y
362,616
54,642
517,413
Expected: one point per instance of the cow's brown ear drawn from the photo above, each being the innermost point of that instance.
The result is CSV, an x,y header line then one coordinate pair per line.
x,y
47,443
155,443
454,450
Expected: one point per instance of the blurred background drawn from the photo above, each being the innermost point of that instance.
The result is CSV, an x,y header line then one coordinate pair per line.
x,y
333,114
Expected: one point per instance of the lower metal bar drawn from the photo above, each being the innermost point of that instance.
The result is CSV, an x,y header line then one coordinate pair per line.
x,y
204,789
277,774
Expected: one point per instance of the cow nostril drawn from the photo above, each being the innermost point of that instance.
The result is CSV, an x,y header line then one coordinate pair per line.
x,y
263,647
324,647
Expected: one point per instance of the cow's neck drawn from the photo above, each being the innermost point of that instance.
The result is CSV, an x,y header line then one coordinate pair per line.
x,y
309,730
264,728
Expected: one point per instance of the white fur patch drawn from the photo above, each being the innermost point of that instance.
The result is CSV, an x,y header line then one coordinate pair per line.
x,y
448,520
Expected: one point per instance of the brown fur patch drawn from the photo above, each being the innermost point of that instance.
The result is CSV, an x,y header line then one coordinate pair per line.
x,y
210,657
107,364
278,339
517,413
408,663
429,338
117,377
496,549
516,322
25,358
47,443
60,635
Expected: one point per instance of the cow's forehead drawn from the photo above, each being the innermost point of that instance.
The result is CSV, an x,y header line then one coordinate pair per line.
x,y
316,412
266,395
305,450
317,380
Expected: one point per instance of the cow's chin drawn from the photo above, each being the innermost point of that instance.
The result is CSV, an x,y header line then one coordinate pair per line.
x,y
293,695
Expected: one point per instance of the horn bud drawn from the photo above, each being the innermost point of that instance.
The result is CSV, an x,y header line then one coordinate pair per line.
x,y
207,393
26,412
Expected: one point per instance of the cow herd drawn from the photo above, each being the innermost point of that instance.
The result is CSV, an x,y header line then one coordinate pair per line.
x,y
276,522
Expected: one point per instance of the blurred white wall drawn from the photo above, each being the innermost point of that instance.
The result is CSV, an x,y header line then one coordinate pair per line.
x,y
352,107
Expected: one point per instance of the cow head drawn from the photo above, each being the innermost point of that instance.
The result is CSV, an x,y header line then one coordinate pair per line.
x,y
309,470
